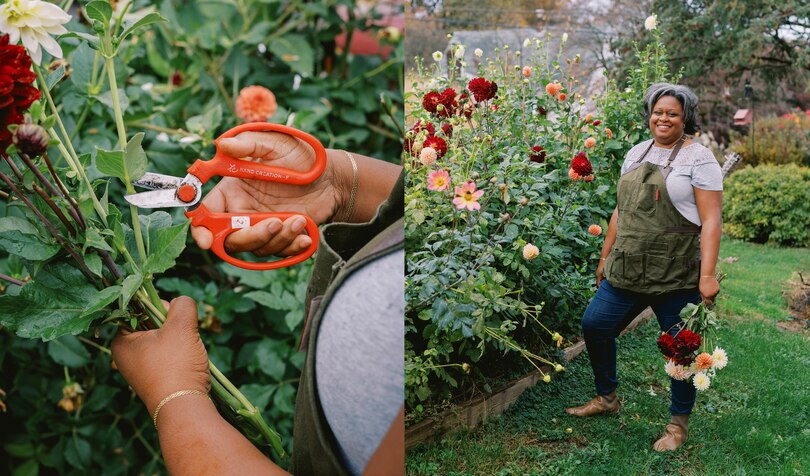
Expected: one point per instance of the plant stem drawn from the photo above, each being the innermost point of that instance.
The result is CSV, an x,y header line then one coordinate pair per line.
x,y
11,280
122,139
93,344
75,212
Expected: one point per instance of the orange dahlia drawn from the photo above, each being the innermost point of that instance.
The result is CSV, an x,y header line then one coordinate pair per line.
x,y
255,103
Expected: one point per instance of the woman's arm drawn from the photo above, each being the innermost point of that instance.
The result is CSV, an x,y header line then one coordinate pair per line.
x,y
710,209
194,438
610,238
375,179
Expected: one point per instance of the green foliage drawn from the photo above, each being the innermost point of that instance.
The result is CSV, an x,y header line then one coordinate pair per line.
x,y
776,140
768,203
179,67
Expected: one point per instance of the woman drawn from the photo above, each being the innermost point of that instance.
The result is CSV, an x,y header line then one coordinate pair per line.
x,y
660,250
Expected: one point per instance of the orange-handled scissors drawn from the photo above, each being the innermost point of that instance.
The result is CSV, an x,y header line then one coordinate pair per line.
x,y
169,191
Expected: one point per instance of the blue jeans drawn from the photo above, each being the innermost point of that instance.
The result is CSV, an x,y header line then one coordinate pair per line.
x,y
610,311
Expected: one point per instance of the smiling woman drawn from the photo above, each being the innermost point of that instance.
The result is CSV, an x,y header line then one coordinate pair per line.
x,y
660,249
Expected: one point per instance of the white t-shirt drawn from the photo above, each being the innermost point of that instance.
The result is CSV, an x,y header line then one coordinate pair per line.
x,y
694,166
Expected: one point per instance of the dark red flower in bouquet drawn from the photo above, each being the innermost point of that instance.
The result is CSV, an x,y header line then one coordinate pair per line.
x,y
688,341
667,345
431,101
581,165
538,154
542,111
482,89
448,130
597,122
438,144
16,92
177,78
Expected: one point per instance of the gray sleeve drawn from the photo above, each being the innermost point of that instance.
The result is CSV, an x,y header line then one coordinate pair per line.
x,y
358,358
708,176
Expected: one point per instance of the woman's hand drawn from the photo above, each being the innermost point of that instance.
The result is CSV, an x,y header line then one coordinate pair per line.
x,y
160,362
600,272
320,199
709,288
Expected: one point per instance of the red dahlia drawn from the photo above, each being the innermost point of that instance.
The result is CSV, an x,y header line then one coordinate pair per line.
x,y
688,341
541,110
431,100
448,100
667,345
448,130
438,144
581,165
482,89
16,92
538,154
597,122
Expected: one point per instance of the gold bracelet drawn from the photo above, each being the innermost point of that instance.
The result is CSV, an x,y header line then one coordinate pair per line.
x,y
355,180
710,276
171,397
602,259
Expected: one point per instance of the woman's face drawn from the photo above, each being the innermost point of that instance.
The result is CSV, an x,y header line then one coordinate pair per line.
x,y
666,120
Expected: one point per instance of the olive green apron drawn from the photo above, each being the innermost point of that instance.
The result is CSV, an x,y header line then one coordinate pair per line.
x,y
344,249
657,250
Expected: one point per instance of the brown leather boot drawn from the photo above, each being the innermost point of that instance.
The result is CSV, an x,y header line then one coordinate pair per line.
x,y
675,434
597,406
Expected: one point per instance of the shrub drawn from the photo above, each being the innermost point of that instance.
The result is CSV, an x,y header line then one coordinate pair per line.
x,y
769,203
777,140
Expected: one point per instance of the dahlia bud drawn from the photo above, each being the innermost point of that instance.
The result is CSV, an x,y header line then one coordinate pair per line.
x,y
465,367
31,139
503,187
504,217
475,175
558,368
493,180
547,378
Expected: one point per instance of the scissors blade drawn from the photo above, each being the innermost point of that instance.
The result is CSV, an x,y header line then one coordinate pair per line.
x,y
153,181
156,199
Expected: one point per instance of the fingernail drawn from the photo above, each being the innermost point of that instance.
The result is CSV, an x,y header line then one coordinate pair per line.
x,y
299,224
274,226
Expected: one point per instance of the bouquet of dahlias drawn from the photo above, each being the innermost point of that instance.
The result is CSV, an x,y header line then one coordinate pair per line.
x,y
688,355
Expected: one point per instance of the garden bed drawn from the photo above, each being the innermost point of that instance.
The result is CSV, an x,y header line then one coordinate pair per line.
x,y
478,410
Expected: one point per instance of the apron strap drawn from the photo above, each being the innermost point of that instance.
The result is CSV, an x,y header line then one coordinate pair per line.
x,y
667,168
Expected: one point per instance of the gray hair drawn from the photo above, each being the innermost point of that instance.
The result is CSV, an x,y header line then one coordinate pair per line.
x,y
684,95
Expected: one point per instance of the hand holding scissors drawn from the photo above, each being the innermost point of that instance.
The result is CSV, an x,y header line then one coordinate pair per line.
x,y
287,195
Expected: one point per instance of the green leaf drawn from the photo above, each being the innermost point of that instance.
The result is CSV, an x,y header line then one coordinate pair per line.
x,y
294,50
106,99
20,238
110,162
29,468
271,358
67,350
82,61
147,19
168,244
93,238
135,157
19,450
54,78
99,10
78,452
50,306
130,286
259,395
92,40
101,300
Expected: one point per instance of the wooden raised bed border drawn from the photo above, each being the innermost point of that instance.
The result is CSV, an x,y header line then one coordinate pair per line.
x,y
480,409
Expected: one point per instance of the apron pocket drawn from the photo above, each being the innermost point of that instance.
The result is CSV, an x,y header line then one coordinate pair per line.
x,y
665,271
633,269
638,197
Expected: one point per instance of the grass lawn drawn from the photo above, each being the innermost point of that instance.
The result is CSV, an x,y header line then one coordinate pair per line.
x,y
754,420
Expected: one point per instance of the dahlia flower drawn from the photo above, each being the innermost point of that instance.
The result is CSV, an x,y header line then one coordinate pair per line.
x,y
255,104
438,180
467,197
33,22
530,252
